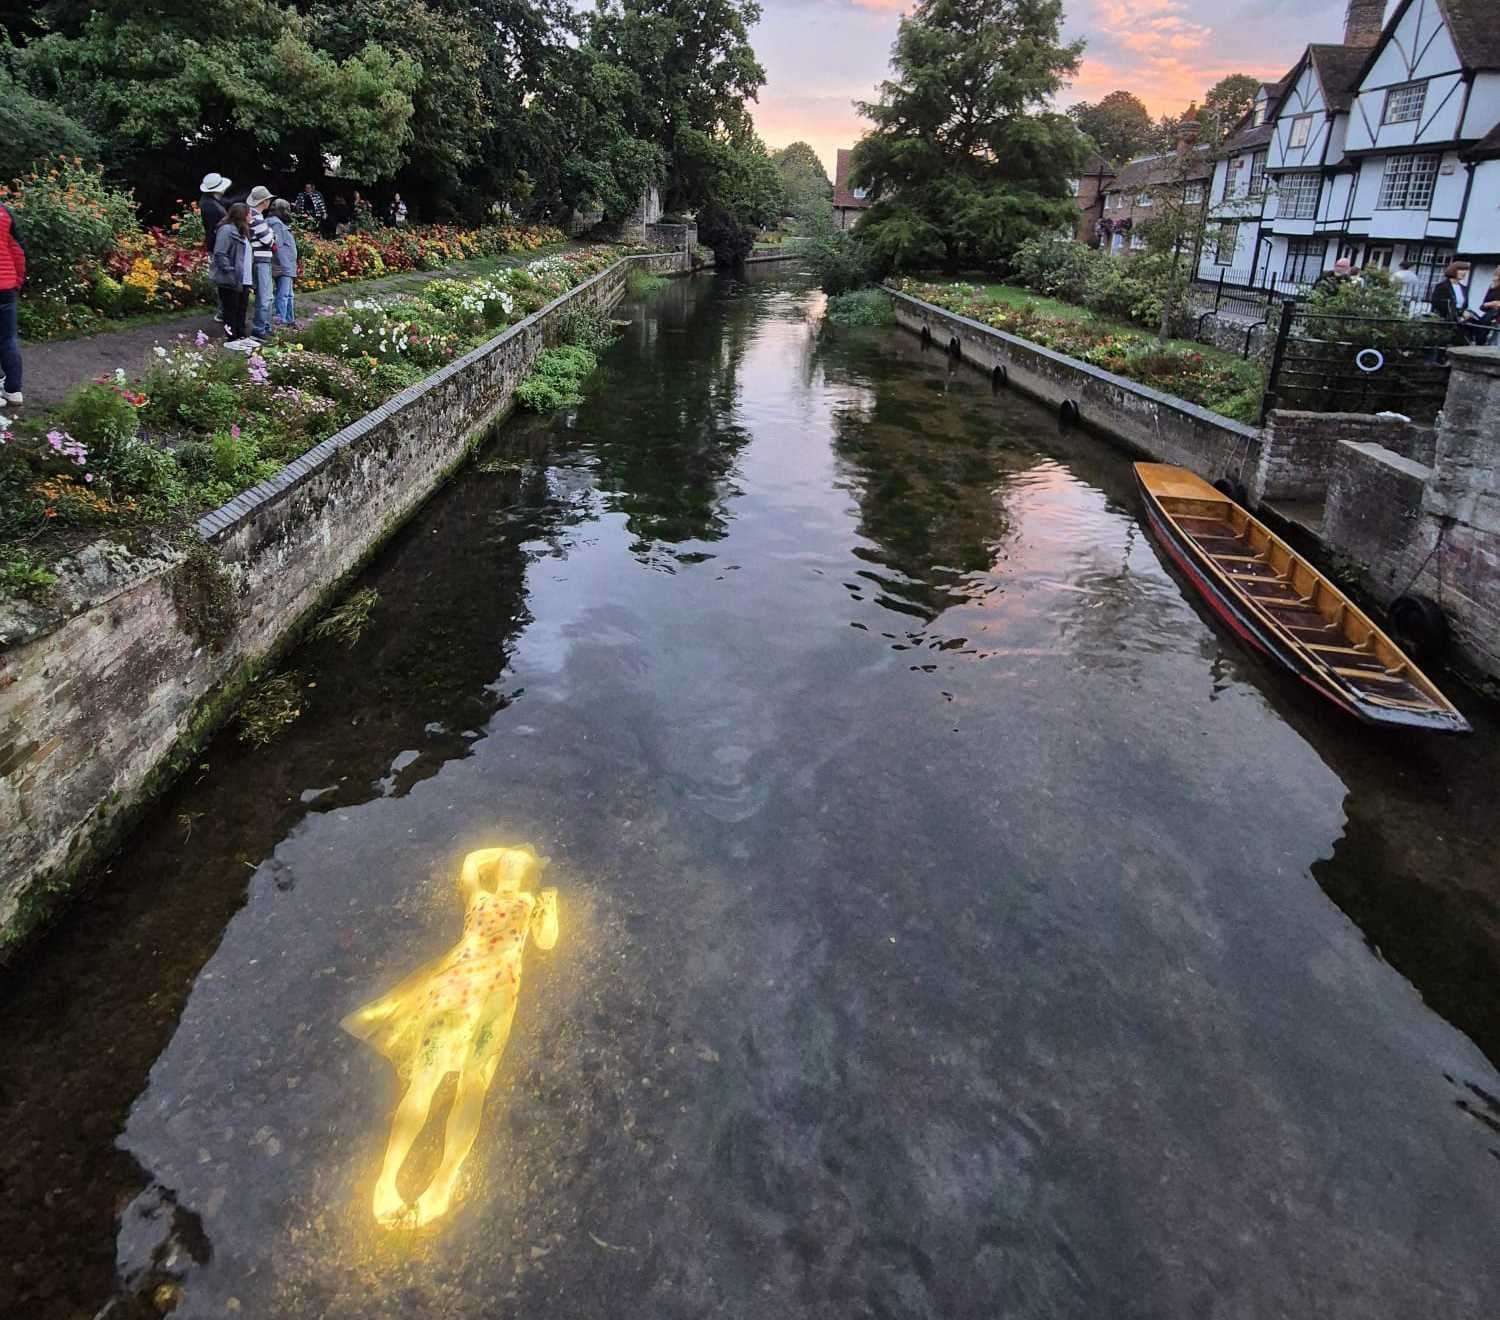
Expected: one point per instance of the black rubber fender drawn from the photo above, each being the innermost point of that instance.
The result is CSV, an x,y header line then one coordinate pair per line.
x,y
926,336
999,378
1234,489
1419,626
1067,413
955,349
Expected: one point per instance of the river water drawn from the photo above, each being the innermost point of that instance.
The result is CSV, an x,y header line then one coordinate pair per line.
x,y
952,921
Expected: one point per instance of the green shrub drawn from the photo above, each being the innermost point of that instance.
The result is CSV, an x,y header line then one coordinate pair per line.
x,y
556,379
591,330
72,220
1057,267
99,416
149,474
841,262
861,307
640,283
21,574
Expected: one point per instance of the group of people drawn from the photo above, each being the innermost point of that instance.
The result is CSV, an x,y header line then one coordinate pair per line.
x,y
1475,319
343,214
252,260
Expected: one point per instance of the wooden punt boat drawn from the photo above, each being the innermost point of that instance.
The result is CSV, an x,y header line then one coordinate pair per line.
x,y
1276,601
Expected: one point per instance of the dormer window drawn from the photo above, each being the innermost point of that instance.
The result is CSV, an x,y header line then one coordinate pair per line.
x,y
859,194
1404,103
1301,130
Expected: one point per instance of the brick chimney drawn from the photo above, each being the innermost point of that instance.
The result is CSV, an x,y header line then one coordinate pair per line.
x,y
1363,21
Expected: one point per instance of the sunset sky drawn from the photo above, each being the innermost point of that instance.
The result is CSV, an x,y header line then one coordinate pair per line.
x,y
820,55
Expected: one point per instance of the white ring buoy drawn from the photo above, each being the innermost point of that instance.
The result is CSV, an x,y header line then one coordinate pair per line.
x,y
1369,359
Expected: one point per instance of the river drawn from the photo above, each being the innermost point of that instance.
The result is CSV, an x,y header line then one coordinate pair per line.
x,y
952,921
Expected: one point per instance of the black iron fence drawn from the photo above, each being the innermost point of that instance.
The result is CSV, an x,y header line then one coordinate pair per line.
x,y
1258,295
1365,364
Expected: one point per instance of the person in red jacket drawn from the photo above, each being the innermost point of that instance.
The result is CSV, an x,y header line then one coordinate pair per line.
x,y
12,276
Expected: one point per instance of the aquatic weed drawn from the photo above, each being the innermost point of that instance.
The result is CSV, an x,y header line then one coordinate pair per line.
x,y
272,705
347,622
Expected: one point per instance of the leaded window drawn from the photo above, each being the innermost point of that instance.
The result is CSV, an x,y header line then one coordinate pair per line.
x,y
1404,103
1408,182
1299,196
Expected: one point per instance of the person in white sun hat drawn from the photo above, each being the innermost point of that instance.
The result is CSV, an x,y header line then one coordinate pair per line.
x,y
211,207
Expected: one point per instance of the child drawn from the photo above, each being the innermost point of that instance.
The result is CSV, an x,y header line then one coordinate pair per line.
x,y
229,269
454,1015
285,260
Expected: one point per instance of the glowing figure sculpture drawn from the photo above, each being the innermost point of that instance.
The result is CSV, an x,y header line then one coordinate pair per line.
x,y
454,1015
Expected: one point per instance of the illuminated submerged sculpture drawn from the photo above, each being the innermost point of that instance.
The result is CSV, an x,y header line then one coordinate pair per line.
x,y
454,1015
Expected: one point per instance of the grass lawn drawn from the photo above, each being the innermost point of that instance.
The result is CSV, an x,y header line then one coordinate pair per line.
x,y
1009,296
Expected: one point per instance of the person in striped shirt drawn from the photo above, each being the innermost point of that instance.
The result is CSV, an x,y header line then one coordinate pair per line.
x,y
262,248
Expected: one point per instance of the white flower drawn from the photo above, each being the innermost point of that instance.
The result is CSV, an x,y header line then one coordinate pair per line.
x,y
159,351
356,329
119,375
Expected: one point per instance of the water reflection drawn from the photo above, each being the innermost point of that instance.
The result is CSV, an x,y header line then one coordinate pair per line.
x,y
997,988
454,1016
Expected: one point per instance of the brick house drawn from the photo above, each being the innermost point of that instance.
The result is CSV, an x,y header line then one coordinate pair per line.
x,y
1088,191
847,202
1138,191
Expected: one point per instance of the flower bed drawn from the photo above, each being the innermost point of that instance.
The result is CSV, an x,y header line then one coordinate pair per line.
x,y
201,424
1224,384
93,260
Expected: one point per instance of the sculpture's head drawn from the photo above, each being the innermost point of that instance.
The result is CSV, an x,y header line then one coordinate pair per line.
x,y
514,868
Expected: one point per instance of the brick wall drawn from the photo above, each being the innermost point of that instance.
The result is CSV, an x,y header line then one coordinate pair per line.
x,y
1405,526
1298,448
99,704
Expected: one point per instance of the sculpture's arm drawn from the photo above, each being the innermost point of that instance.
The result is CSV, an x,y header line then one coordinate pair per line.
x,y
544,919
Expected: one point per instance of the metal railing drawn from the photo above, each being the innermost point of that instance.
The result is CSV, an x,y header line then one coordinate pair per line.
x,y
1365,364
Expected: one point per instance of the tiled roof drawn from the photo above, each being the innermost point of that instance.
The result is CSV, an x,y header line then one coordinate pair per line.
x,y
1339,68
1487,148
1247,139
1150,171
841,194
1474,26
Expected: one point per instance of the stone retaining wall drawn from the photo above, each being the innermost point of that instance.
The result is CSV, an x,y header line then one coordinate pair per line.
x,y
100,705
1146,421
1298,449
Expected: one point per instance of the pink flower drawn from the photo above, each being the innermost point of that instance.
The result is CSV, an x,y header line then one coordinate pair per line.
x,y
200,339
234,431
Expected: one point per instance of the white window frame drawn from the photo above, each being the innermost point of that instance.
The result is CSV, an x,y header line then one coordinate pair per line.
x,y
1257,185
1192,194
1143,199
1295,203
1403,104
1301,125
1229,229
1232,178
1137,241
859,194
1408,181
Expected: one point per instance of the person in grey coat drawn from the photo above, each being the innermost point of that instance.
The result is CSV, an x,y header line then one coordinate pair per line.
x,y
284,261
229,269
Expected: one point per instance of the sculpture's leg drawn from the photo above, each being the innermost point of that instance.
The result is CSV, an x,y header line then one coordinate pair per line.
x,y
463,1127
411,1117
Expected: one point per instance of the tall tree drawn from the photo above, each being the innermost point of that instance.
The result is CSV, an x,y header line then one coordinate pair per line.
x,y
809,190
1118,124
1226,103
691,68
965,161
176,89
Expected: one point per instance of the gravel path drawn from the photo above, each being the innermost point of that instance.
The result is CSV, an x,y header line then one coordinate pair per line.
x,y
55,368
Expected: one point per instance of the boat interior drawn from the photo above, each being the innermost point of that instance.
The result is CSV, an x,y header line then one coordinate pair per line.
x,y
1331,632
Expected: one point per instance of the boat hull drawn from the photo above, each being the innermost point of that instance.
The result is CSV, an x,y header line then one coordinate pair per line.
x,y
1250,629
